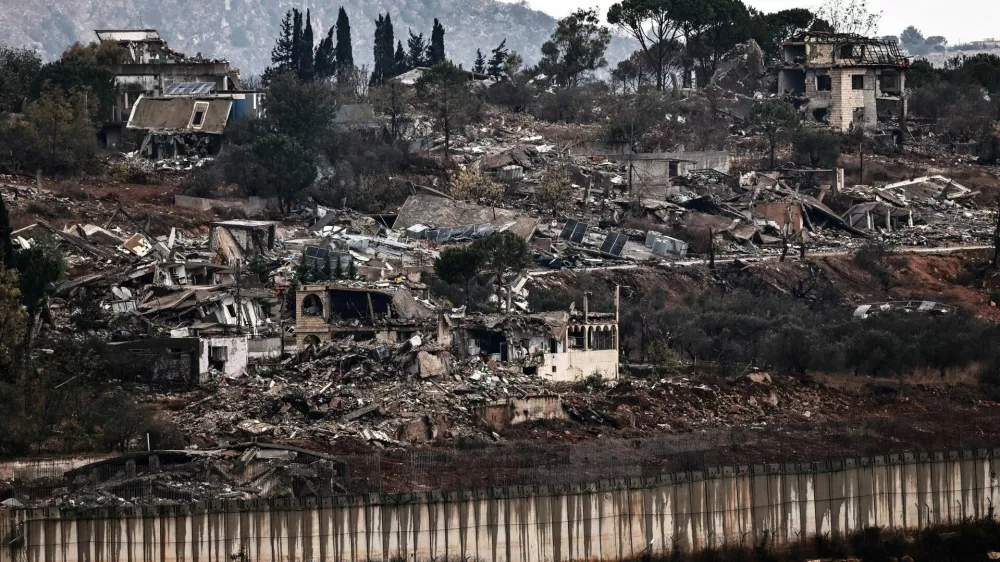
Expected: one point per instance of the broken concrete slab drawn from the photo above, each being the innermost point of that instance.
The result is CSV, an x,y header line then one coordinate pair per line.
x,y
434,211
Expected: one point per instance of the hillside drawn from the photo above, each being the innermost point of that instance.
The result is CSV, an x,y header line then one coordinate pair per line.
x,y
243,31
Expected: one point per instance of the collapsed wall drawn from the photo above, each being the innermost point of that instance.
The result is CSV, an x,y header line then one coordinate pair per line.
x,y
610,519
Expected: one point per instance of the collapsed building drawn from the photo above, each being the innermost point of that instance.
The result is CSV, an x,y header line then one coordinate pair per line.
x,y
844,80
180,104
244,471
238,241
182,309
556,346
386,312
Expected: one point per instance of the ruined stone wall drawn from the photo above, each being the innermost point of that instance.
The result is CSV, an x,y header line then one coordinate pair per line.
x,y
500,417
577,365
306,325
820,53
845,99
237,354
599,521
264,348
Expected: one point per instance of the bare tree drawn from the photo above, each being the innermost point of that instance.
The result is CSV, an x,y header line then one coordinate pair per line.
x,y
850,16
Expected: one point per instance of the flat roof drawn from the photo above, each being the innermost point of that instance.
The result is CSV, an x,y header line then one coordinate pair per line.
x,y
245,223
128,35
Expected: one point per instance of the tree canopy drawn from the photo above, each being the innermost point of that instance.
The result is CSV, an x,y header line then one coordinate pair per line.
x,y
446,92
576,47
775,120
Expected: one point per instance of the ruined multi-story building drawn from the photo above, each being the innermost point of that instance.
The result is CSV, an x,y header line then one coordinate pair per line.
x,y
844,80
162,92
389,314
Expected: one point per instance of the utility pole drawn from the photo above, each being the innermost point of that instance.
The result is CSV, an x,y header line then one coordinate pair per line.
x,y
631,168
239,298
996,235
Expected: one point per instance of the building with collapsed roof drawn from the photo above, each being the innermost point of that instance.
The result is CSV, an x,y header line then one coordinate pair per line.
x,y
381,311
150,69
205,307
241,471
659,168
844,80
179,126
187,361
562,346
238,241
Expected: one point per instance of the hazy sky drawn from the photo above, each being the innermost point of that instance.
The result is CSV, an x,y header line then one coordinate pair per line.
x,y
958,20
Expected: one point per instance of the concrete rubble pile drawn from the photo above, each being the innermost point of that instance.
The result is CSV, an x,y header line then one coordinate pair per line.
x,y
189,291
362,391
403,376
241,471
661,207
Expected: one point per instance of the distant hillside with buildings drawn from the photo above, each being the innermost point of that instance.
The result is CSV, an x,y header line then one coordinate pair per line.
x,y
243,31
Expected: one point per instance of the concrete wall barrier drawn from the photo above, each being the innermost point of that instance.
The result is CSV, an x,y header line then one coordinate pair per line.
x,y
606,520
251,207
264,348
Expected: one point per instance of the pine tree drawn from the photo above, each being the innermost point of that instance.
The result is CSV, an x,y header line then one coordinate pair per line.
x,y
296,62
281,54
338,270
344,51
498,60
480,66
6,244
435,53
352,270
326,62
307,61
416,56
399,60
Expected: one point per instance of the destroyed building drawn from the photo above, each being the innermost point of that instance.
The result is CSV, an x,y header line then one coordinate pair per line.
x,y
240,471
158,78
382,311
658,168
238,241
844,80
174,127
564,346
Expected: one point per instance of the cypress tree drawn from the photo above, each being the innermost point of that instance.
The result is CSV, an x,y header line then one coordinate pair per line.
x,y
383,51
326,63
377,68
296,62
399,60
328,269
480,66
344,53
435,53
388,42
307,62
